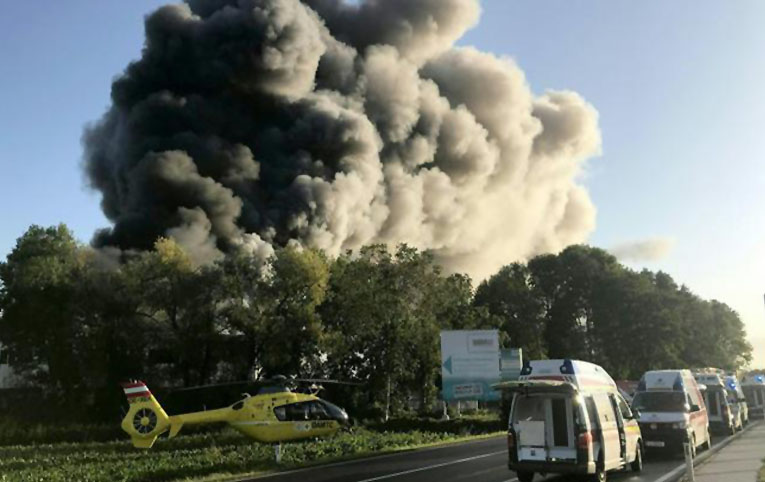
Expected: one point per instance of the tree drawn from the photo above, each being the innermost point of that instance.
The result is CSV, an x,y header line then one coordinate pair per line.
x,y
178,305
37,305
383,315
565,283
294,287
511,297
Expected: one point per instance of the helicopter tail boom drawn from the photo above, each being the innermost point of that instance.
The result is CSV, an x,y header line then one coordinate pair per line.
x,y
145,420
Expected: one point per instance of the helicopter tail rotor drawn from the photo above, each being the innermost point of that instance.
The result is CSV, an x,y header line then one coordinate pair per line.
x,y
145,420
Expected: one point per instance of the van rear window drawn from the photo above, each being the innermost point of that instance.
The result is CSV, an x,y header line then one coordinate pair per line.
x,y
529,409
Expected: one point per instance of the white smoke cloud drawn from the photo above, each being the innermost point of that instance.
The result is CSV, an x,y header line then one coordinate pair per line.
x,y
654,249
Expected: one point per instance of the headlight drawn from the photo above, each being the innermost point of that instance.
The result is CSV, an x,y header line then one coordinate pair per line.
x,y
680,425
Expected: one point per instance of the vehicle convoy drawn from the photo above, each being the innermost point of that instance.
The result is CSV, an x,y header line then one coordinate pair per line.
x,y
722,416
567,416
753,385
737,399
671,411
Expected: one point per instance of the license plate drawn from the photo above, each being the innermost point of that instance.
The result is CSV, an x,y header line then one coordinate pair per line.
x,y
649,443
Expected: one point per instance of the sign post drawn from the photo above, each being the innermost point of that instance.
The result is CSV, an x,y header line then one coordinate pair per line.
x,y
470,364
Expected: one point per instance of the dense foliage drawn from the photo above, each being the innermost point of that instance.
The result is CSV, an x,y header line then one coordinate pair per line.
x,y
583,304
77,321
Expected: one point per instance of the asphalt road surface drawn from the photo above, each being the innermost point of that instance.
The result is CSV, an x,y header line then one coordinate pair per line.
x,y
483,460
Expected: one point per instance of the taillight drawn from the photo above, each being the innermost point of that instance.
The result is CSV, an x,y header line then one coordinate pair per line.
x,y
510,440
584,441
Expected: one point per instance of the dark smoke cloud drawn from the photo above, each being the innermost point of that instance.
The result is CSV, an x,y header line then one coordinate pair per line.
x,y
248,124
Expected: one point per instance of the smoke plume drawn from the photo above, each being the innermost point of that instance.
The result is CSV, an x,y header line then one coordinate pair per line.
x,y
248,124
654,249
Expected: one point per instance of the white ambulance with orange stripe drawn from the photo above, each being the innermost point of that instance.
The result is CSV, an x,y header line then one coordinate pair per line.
x,y
672,411
569,417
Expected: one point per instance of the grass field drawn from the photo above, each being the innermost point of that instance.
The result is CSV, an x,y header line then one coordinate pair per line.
x,y
209,455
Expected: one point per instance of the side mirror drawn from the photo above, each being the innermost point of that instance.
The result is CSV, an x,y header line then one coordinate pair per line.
x,y
635,414
695,408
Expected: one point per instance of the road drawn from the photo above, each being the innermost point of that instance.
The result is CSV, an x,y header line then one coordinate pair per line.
x,y
483,460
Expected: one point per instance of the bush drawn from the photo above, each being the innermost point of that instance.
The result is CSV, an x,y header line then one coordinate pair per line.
x,y
20,433
479,423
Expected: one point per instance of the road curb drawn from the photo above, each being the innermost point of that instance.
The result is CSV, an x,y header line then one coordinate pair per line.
x,y
703,458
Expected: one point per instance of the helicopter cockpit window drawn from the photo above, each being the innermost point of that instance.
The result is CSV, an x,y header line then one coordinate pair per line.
x,y
296,412
280,413
318,412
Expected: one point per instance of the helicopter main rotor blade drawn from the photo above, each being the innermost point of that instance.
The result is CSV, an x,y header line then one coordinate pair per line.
x,y
217,385
326,380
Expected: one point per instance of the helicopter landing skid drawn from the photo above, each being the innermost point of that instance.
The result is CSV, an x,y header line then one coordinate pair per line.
x,y
278,453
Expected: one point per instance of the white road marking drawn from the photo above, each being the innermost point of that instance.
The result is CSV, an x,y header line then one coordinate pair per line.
x,y
435,466
365,459
671,474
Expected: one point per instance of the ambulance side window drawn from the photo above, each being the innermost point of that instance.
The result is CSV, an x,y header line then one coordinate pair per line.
x,y
624,408
694,399
605,409
592,413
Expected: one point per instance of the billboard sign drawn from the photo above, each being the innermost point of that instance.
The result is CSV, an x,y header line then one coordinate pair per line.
x,y
470,364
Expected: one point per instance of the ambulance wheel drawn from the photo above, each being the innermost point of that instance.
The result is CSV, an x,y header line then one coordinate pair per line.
x,y
525,476
599,475
637,464
600,471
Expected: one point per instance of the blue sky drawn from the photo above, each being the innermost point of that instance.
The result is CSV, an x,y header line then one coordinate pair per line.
x,y
678,86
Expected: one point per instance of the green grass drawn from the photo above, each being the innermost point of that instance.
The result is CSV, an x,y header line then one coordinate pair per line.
x,y
195,456
761,475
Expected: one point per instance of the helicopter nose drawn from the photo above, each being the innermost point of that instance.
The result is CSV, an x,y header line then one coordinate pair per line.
x,y
343,419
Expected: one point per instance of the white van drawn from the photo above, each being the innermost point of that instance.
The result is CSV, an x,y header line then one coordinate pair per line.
x,y
671,411
737,399
722,418
568,417
753,385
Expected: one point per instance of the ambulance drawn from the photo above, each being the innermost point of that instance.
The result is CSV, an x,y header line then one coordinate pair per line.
x,y
753,385
737,399
567,416
671,411
722,416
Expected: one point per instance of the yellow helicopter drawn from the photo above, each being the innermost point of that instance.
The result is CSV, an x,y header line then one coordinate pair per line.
x,y
274,414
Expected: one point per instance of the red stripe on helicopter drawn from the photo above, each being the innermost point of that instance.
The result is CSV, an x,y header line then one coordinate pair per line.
x,y
136,390
144,393
134,384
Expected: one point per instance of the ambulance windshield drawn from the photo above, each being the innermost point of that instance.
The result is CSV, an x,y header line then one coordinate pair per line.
x,y
660,402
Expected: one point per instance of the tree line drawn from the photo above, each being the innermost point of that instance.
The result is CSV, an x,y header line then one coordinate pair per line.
x,y
76,322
